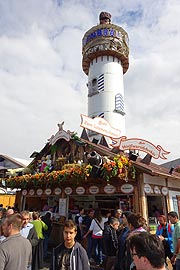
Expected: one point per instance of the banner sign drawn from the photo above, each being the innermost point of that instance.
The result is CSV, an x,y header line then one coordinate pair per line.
x,y
138,144
99,125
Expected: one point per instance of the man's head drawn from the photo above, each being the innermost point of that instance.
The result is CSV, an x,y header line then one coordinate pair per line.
x,y
26,217
69,233
9,212
173,217
135,221
118,213
91,213
147,251
12,224
125,214
114,222
81,211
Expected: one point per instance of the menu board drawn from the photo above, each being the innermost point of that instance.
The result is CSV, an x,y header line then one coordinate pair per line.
x,y
62,206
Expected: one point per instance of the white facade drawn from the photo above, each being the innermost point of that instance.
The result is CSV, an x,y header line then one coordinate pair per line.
x,y
106,91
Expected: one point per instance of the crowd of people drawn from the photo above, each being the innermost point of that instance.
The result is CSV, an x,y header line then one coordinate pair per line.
x,y
24,227
115,241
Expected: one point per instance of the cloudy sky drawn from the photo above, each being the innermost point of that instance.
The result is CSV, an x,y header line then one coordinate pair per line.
x,y
42,82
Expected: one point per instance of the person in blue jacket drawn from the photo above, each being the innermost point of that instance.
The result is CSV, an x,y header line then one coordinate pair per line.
x,y
69,255
165,231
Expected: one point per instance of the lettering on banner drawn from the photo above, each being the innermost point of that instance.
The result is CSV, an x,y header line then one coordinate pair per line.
x,y
139,144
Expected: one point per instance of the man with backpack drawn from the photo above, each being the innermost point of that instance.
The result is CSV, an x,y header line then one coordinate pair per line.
x,y
87,223
79,222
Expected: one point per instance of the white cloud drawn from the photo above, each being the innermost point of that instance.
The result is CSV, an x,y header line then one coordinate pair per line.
x,y
42,82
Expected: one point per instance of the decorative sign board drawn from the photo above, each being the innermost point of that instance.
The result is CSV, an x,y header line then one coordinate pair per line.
x,y
48,191
39,191
57,191
138,144
31,192
68,190
24,192
62,206
109,189
147,188
99,125
157,190
104,32
164,191
94,190
127,188
80,190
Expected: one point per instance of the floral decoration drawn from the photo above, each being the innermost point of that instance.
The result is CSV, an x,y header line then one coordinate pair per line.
x,y
76,173
120,166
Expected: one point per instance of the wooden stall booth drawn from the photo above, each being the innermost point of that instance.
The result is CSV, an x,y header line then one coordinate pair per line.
x,y
72,172
70,197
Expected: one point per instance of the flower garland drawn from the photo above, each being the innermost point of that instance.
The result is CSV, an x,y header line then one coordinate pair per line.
x,y
120,167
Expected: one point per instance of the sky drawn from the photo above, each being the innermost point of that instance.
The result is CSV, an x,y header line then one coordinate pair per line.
x,y
41,77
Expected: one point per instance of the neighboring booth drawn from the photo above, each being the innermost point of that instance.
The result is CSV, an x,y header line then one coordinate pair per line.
x,y
8,167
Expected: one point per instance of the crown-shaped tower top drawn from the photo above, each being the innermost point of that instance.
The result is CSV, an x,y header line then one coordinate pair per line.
x,y
105,39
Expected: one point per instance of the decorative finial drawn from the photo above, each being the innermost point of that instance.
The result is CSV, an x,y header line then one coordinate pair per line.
x,y
61,126
105,18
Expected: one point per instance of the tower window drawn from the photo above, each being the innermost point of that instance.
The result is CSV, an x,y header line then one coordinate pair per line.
x,y
96,85
94,82
119,104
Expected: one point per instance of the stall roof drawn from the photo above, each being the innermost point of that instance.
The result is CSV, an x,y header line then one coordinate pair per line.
x,y
151,168
155,169
12,160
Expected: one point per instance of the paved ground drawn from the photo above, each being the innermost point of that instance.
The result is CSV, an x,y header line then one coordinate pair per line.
x,y
47,264
46,267
93,267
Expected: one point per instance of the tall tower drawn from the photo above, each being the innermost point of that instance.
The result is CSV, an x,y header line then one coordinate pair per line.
x,y
105,59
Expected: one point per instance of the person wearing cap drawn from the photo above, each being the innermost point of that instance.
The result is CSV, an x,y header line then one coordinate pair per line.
x,y
105,18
